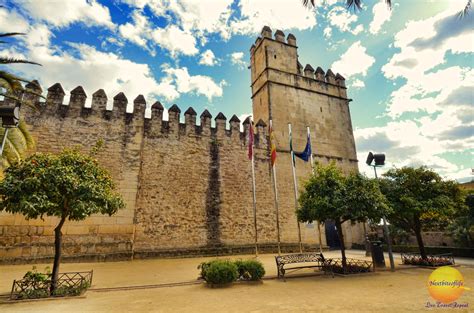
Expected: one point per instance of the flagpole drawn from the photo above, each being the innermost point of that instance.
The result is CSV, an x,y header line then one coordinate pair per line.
x,y
312,169
254,193
295,185
275,189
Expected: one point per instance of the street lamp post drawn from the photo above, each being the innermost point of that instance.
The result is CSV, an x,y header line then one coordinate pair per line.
x,y
380,161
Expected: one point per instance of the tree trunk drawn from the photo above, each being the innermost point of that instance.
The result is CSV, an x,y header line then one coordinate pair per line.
x,y
341,240
57,254
419,238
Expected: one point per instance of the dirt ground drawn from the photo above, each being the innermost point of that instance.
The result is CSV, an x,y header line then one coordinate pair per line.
x,y
402,291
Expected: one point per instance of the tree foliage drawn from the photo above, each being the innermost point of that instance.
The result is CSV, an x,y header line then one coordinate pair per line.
x,y
419,196
329,195
69,185
462,227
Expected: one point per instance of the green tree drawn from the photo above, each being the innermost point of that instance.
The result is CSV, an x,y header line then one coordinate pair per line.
x,y
462,227
417,196
69,185
329,195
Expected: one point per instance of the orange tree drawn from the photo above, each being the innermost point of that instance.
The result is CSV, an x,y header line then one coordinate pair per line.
x,y
69,185
418,196
331,195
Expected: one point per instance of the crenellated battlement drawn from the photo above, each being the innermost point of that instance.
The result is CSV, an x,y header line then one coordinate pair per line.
x,y
155,125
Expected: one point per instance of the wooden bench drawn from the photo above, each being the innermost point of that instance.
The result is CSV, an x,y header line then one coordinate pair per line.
x,y
317,260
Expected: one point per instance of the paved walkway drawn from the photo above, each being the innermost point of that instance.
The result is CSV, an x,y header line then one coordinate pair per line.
x,y
404,290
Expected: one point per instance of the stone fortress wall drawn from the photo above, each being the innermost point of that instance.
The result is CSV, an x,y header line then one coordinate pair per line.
x,y
187,187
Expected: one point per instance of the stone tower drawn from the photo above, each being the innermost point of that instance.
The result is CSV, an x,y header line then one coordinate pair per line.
x,y
285,92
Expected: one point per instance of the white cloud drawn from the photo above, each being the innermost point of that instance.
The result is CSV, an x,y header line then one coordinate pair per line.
x,y
278,14
327,32
203,16
382,14
63,13
420,53
357,83
354,61
138,31
175,40
442,95
237,58
198,84
342,19
208,58
172,37
427,92
196,17
192,21
412,143
11,21
94,69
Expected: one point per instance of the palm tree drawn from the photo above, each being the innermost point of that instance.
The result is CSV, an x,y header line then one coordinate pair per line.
x,y
18,140
357,5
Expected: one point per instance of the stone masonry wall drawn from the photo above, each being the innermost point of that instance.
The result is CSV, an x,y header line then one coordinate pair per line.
x,y
187,187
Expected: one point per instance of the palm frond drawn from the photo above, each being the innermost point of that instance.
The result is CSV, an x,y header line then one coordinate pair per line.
x,y
19,143
6,60
11,34
28,91
357,4
308,3
9,96
10,77
466,9
354,4
30,142
10,82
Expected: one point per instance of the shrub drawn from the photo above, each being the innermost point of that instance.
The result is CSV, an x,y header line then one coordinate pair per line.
x,y
250,269
64,291
219,272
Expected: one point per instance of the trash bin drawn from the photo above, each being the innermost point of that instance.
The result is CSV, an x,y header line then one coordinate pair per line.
x,y
377,254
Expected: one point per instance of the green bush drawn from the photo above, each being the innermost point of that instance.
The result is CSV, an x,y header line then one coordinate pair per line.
x,y
64,291
250,269
226,271
219,272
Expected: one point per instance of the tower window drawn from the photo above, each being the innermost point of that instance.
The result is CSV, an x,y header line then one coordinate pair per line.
x,y
274,56
321,109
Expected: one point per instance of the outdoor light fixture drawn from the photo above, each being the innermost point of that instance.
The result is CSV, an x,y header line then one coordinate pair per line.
x,y
378,158
380,161
10,115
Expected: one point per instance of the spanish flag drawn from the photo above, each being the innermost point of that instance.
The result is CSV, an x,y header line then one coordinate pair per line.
x,y
273,150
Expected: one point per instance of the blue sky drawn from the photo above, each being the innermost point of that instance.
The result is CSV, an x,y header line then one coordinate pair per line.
x,y
409,70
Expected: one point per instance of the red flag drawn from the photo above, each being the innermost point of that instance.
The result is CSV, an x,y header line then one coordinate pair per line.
x,y
251,136
273,153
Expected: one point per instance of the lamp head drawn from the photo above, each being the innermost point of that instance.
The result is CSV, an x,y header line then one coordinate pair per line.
x,y
379,159
10,115
370,158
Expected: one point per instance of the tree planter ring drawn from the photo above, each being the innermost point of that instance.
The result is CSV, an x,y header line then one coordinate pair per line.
x,y
68,284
